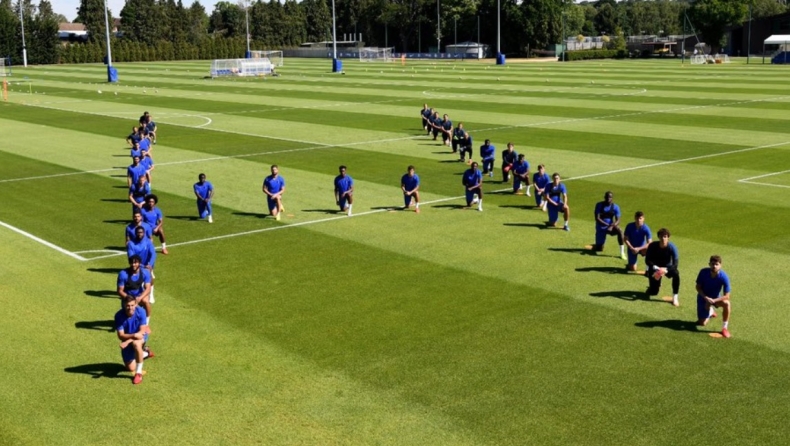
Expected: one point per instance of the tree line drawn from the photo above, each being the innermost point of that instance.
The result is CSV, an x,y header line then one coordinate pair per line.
x,y
169,30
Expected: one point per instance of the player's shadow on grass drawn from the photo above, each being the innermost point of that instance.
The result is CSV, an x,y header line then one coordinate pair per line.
x,y
624,295
118,222
580,251
120,176
672,324
107,325
121,156
517,206
105,270
99,370
452,206
101,293
603,269
540,226
251,214
387,208
455,161
116,248
115,200
121,187
184,217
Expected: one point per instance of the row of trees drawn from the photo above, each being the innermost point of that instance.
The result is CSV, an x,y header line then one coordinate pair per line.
x,y
407,25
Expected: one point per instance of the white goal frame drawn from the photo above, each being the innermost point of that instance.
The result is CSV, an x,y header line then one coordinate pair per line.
x,y
375,54
241,67
5,67
275,57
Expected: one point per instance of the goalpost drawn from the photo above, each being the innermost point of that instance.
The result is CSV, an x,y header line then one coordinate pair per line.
x,y
275,57
241,67
5,67
374,54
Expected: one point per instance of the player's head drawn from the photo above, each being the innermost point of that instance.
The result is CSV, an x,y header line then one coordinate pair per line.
x,y
461,125
425,106
510,146
151,200
410,170
135,160
135,261
129,305
445,116
139,232
474,165
541,168
608,196
639,218
715,263
487,142
555,177
521,157
141,180
342,170
137,216
663,236
202,177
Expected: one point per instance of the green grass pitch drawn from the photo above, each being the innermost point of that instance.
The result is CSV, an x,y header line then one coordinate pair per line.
x,y
446,327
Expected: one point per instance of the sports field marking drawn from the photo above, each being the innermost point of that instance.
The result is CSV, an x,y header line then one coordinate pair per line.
x,y
749,180
43,242
682,160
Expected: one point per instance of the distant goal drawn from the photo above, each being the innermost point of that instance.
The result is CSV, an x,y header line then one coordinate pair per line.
x,y
5,67
275,57
241,67
373,54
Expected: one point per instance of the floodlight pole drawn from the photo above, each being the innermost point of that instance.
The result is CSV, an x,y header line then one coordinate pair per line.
x,y
110,76
749,38
438,29
335,62
22,22
562,40
247,20
498,48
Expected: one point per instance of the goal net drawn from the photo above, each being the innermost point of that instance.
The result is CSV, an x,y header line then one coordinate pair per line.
x,y
275,57
5,67
373,54
241,67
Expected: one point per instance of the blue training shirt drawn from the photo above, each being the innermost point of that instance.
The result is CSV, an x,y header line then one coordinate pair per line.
x,y
152,216
274,184
127,281
712,286
521,167
487,152
555,192
410,182
136,172
130,325
131,227
143,248
203,190
343,184
608,213
472,177
637,236
540,181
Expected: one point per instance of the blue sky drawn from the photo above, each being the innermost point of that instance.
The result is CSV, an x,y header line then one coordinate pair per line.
x,y
69,7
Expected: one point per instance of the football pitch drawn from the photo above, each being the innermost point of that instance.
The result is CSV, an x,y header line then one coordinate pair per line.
x,y
448,326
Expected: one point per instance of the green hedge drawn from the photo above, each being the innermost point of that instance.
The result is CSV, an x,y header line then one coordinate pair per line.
x,y
594,54
130,51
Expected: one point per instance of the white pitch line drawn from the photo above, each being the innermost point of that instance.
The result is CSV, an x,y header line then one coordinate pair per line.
x,y
764,184
43,242
763,176
664,163
291,225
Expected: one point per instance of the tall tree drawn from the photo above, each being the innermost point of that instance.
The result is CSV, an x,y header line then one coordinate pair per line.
x,y
712,17
198,23
140,21
318,20
227,19
767,8
9,33
44,42
91,14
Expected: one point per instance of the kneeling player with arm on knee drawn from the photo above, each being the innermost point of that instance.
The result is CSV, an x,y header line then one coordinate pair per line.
x,y
410,185
472,180
637,237
713,290
132,331
521,174
135,282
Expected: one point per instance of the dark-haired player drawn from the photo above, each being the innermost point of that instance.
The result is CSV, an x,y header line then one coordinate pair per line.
x,y
487,154
154,217
540,180
556,194
472,180
274,188
637,237
132,330
607,222
662,260
410,185
713,290
344,191
204,191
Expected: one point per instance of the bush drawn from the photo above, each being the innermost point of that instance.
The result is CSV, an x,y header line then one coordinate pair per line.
x,y
594,54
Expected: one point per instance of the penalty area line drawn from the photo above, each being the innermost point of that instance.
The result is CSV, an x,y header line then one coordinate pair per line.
x,y
43,242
